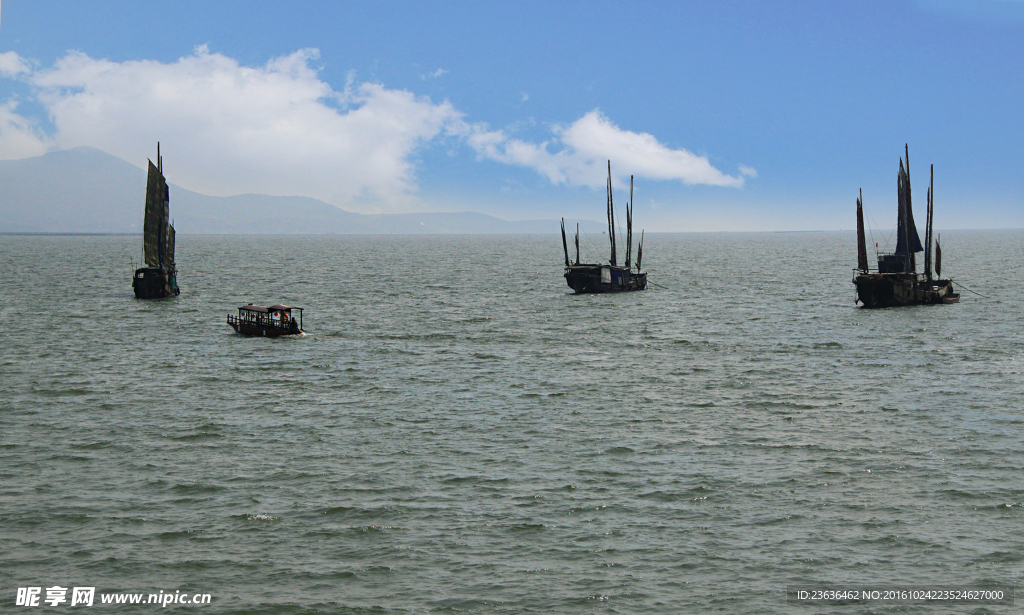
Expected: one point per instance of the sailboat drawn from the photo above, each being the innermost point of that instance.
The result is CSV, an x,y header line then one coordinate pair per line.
x,y
896,281
159,278
610,278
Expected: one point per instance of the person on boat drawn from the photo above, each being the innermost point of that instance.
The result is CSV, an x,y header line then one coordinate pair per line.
x,y
295,324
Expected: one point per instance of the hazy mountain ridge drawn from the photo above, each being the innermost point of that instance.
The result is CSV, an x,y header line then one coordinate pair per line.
x,y
85,190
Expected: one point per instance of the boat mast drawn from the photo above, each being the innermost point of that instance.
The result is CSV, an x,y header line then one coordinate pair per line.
x,y
911,228
565,246
629,223
611,214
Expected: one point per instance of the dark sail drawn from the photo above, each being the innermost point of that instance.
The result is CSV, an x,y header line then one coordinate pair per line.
x,y
158,234
928,228
611,213
629,223
565,247
938,258
905,225
640,251
862,249
154,229
577,243
169,251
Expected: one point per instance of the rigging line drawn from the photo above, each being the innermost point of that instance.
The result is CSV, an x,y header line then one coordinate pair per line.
x,y
872,222
588,244
586,238
619,222
885,242
969,290
872,227
871,238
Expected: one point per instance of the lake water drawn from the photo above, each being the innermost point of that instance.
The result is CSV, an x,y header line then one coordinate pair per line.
x,y
458,433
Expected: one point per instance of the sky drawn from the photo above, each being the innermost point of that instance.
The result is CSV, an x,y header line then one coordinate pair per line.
x,y
730,115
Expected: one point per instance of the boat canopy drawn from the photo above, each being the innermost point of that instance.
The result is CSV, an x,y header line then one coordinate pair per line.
x,y
264,309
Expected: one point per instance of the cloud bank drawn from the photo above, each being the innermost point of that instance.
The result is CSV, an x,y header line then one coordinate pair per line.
x,y
579,153
231,129
280,129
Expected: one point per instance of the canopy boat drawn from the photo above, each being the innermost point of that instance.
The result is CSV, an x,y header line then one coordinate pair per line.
x,y
266,321
610,278
896,281
159,278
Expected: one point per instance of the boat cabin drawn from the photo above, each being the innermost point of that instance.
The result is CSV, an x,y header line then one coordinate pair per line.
x,y
266,321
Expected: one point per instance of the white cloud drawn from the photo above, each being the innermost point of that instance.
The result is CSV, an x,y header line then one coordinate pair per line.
x,y
279,129
19,138
229,129
12,65
579,153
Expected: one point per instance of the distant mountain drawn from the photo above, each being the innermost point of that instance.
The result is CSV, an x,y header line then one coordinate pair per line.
x,y
85,190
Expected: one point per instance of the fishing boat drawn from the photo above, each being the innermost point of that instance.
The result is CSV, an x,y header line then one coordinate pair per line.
x,y
266,321
611,277
897,282
159,278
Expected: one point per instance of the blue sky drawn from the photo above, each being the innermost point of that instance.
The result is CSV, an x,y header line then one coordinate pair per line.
x,y
731,115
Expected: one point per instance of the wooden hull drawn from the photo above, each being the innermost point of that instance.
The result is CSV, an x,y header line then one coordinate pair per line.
x,y
262,331
603,279
878,290
152,283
